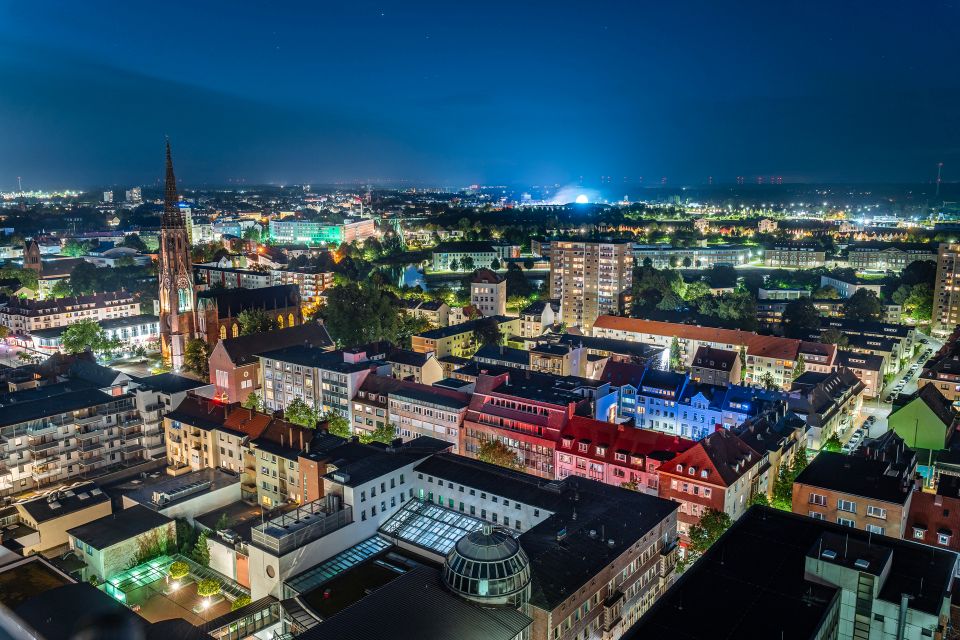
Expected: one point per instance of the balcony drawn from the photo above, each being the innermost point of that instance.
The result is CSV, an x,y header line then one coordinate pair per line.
x,y
44,473
89,420
88,435
43,446
91,446
90,462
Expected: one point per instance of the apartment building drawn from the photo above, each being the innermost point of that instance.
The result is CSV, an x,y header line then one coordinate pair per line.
x,y
946,291
467,256
870,368
828,402
589,279
311,283
62,431
325,380
616,454
537,317
24,316
721,472
234,366
521,413
888,256
715,366
458,339
943,369
768,358
488,293
421,410
795,255
869,490
215,274
130,331
414,366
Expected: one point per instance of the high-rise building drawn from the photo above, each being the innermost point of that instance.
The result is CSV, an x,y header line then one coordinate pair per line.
x,y
588,278
946,314
175,269
134,195
108,197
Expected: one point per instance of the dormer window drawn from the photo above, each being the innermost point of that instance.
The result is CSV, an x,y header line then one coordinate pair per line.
x,y
601,451
703,474
680,467
692,471
584,447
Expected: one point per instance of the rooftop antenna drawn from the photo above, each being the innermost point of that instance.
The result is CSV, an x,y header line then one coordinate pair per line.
x,y
20,184
939,176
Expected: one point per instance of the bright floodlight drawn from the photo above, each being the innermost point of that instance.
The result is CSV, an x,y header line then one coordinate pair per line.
x,y
582,199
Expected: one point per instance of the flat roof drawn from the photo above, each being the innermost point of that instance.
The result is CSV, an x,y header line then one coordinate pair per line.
x,y
414,606
64,502
119,526
764,555
142,490
855,475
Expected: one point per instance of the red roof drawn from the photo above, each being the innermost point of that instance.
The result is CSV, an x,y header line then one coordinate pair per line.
x,y
606,438
757,345
934,514
724,456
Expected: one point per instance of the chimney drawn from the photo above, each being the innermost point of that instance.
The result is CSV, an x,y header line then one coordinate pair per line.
x,y
301,439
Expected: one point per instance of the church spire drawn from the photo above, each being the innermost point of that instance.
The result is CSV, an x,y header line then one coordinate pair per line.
x,y
172,218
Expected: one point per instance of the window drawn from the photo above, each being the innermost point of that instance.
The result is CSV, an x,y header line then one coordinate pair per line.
x,y
876,512
816,498
943,538
236,330
816,515
872,528
846,505
845,522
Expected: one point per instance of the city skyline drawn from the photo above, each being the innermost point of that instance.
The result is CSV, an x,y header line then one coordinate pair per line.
x,y
448,96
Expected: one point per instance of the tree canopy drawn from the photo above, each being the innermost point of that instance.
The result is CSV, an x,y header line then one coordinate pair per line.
x,y
196,357
712,525
800,318
495,452
864,305
88,335
356,314
255,321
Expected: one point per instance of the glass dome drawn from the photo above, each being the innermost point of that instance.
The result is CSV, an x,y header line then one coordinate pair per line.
x,y
489,567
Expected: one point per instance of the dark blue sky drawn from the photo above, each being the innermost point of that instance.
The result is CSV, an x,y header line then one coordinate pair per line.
x,y
453,93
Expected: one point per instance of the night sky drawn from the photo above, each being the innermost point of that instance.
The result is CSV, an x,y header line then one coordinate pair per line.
x,y
454,93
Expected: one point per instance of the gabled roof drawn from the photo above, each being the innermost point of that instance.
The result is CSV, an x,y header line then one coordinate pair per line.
x,y
708,357
605,439
408,358
119,526
486,276
724,456
619,373
243,349
231,302
936,402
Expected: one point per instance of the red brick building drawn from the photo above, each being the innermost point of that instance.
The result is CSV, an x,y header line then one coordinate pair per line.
x,y
934,518
616,454
234,367
522,413
217,311
717,473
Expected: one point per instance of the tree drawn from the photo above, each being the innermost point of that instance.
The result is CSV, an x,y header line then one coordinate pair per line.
x,y
254,321
196,357
82,336
75,249
253,402
61,289
467,263
863,306
632,485
495,452
336,424
4,332
223,522
384,433
760,498
722,276
454,265
517,283
800,367
178,570
919,272
201,552
675,353
712,525
84,278
240,602
357,314
299,412
783,489
409,326
825,293
495,264
833,444
800,459
133,241
834,336
743,363
487,332
767,381
800,318
208,587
